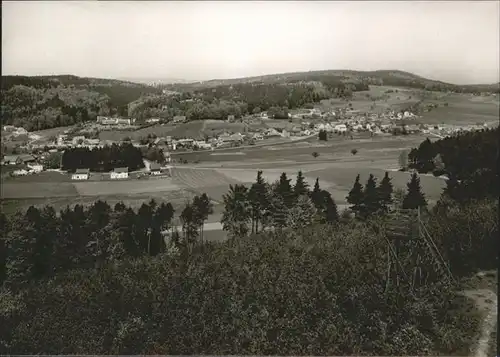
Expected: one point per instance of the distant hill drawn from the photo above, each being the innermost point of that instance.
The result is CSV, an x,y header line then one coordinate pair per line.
x,y
157,80
380,77
42,102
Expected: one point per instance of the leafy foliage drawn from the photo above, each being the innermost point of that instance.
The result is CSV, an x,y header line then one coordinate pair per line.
x,y
469,160
44,102
103,159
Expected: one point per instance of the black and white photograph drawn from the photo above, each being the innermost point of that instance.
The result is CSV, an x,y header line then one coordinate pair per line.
x,y
265,178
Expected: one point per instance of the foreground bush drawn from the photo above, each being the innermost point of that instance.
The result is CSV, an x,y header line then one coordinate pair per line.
x,y
467,235
317,292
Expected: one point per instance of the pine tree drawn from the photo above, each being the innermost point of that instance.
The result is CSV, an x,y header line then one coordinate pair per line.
x,y
371,202
414,197
44,264
331,213
278,212
385,192
285,191
355,197
259,201
301,186
203,208
316,195
190,224
237,211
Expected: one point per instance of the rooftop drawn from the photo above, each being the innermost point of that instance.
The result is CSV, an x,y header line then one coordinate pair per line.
x,y
120,169
82,171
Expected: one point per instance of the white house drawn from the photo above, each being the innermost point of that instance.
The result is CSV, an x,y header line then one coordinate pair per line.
x,y
155,169
119,173
36,167
341,128
81,174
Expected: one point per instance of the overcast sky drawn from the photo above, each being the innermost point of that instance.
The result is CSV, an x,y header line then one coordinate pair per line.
x,y
455,41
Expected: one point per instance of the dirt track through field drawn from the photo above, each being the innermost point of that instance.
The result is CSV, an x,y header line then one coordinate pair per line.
x,y
486,301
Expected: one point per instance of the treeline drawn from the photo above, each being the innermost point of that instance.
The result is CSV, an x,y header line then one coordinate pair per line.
x,y
371,199
242,99
103,159
276,206
37,103
469,160
42,243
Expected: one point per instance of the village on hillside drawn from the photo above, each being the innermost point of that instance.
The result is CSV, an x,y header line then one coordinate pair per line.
x,y
302,124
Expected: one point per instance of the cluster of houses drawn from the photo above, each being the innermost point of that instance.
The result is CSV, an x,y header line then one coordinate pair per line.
x,y
120,173
115,121
30,162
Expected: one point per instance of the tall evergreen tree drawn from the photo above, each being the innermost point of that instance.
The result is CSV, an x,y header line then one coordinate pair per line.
x,y
330,213
203,207
126,221
414,197
316,196
258,196
44,264
301,186
355,197
278,212
142,227
371,202
285,191
237,211
190,224
385,192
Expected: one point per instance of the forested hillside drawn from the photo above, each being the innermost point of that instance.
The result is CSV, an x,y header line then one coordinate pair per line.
x,y
244,98
43,102
380,77
470,160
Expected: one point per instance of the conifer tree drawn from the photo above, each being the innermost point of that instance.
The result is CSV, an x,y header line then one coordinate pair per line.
x,y
316,194
385,192
301,186
371,203
355,197
414,197
285,191
237,211
190,224
331,212
259,201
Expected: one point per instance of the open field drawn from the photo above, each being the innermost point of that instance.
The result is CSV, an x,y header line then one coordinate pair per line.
x,y
37,190
194,129
463,110
104,188
47,133
303,151
177,198
376,100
